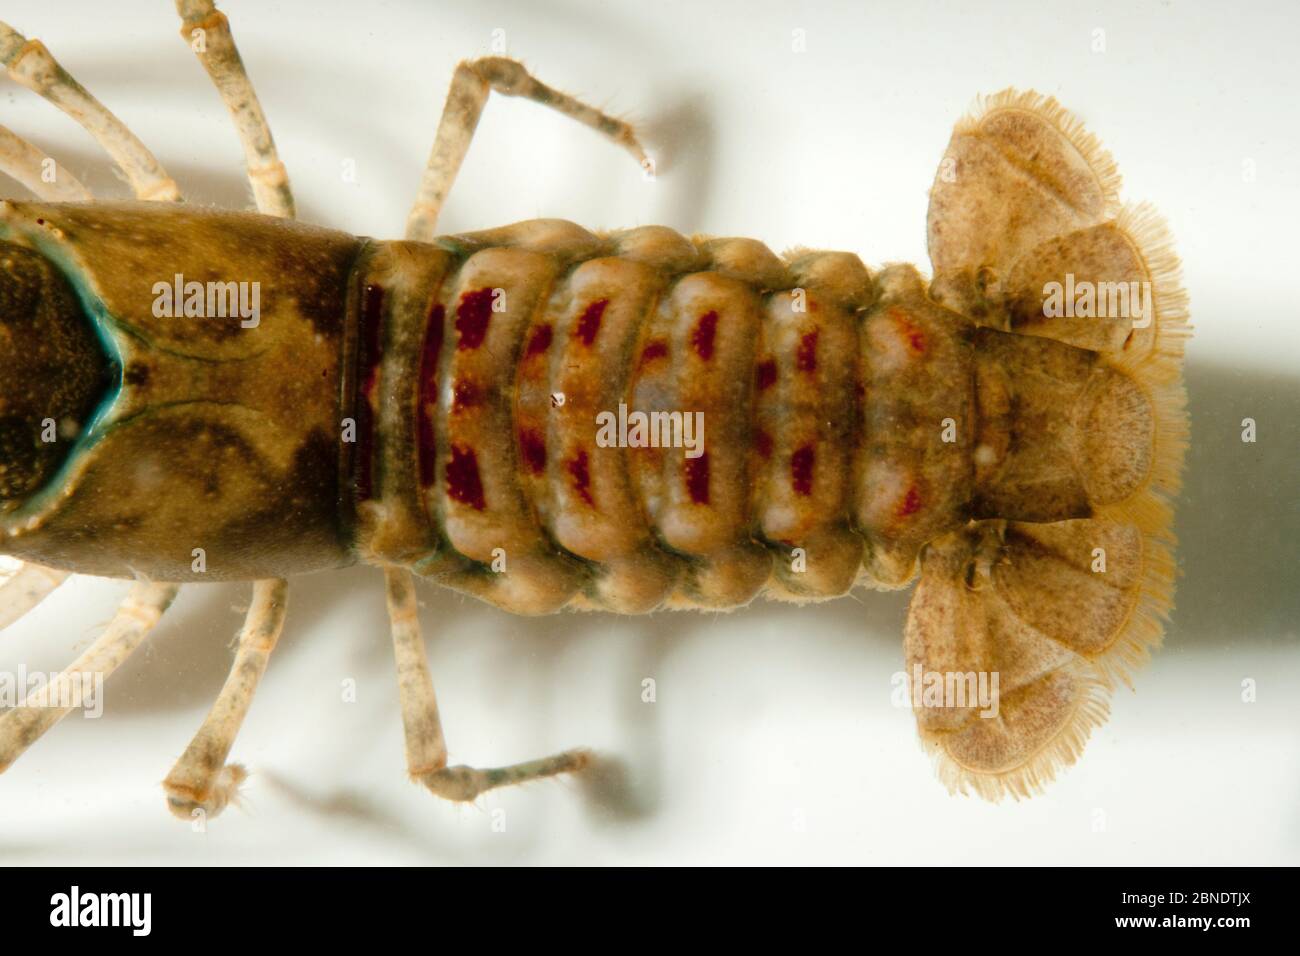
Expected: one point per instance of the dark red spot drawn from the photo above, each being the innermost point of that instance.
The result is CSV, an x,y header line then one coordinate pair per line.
x,y
697,479
706,330
372,337
765,374
654,350
472,317
908,329
806,357
429,353
539,341
369,353
763,443
532,449
589,322
463,482
581,476
801,470
911,502
465,395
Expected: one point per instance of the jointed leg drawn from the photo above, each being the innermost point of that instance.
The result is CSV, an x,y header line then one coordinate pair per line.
x,y
46,706
426,750
201,779
25,163
30,63
473,81
220,57
27,587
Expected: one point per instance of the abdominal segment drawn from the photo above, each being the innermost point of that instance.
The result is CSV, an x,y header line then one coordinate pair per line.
x,y
643,420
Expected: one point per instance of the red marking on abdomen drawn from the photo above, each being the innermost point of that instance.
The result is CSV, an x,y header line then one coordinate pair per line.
x,y
911,502
806,356
581,476
465,395
539,341
801,470
763,443
654,350
589,322
429,353
702,336
908,329
369,353
765,374
472,317
463,481
532,449
372,331
697,478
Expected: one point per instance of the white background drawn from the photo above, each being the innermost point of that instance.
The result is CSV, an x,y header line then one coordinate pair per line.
x,y
773,737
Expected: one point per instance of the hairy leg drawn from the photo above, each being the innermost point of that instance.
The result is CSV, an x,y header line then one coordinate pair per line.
x,y
27,587
471,85
30,63
201,780
44,707
22,161
426,749
207,31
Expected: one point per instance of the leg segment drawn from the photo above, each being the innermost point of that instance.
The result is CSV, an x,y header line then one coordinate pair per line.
x,y
201,779
27,587
201,21
23,725
25,163
473,81
426,750
29,63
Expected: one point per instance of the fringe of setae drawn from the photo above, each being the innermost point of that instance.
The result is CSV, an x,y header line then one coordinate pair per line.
x,y
1158,359
1153,359
1031,776
1047,109
1143,630
1156,367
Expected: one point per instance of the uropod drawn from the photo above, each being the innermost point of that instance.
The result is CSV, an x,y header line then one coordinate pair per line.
x,y
546,417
